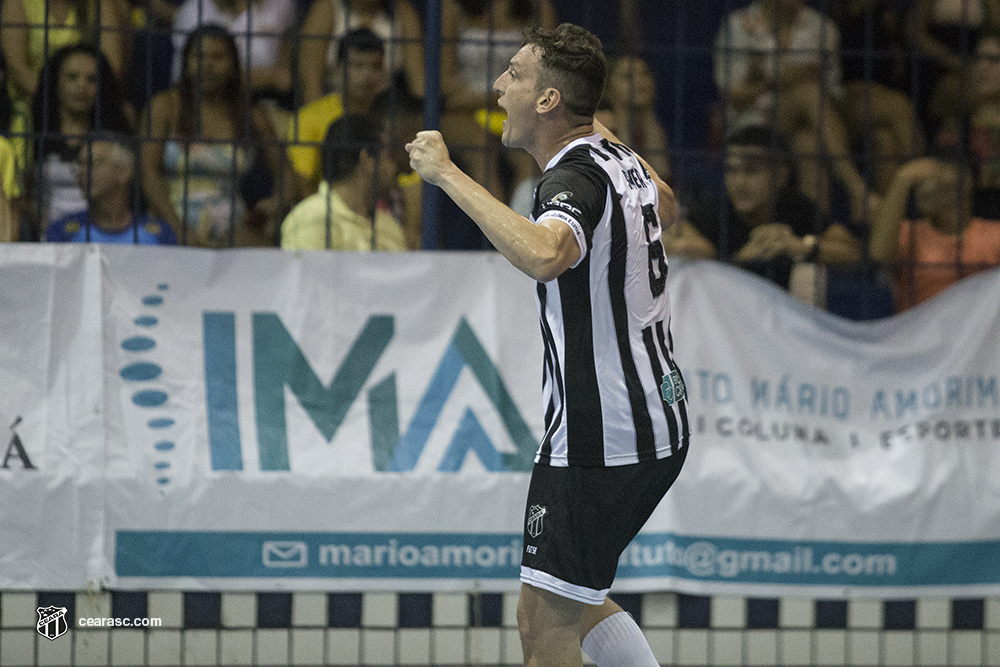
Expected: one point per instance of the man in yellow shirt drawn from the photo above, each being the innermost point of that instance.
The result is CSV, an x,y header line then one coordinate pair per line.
x,y
348,211
361,59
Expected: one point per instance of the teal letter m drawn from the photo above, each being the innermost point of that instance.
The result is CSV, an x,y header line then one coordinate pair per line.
x,y
279,362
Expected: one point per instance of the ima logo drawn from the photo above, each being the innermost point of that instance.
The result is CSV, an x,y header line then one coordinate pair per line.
x,y
278,363
15,450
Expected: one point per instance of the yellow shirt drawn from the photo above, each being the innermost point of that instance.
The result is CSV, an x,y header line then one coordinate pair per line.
x,y
55,37
8,170
305,226
58,35
306,131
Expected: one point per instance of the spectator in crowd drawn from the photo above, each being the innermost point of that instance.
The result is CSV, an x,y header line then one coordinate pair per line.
x,y
10,189
875,58
765,224
261,29
396,22
945,34
361,59
631,111
479,37
78,94
150,70
30,35
779,61
33,30
105,171
200,139
945,243
349,212
978,130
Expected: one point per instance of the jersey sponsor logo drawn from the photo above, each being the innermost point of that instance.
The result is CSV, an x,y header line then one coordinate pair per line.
x,y
52,622
672,389
553,205
535,515
562,196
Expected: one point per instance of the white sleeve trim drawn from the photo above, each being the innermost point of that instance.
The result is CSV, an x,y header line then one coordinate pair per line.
x,y
581,238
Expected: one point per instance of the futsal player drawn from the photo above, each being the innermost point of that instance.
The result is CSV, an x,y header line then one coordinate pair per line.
x,y
615,409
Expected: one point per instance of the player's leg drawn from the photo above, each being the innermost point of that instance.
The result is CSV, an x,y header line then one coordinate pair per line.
x,y
549,625
612,638
608,634
552,628
577,523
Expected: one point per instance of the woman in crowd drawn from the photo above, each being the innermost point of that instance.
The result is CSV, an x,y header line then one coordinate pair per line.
x,y
977,129
396,22
946,242
945,34
30,35
199,140
32,30
778,61
479,37
78,94
261,30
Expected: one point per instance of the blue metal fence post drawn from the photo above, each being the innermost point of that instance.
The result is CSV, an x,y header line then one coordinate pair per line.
x,y
432,86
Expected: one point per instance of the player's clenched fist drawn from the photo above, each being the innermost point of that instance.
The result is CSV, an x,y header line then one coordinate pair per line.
x,y
428,155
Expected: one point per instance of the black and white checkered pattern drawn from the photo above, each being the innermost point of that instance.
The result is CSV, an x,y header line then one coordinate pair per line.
x,y
384,628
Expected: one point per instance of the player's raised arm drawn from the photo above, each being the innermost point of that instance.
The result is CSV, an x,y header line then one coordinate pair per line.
x,y
541,251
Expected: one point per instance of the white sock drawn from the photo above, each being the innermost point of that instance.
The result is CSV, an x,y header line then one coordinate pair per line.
x,y
617,641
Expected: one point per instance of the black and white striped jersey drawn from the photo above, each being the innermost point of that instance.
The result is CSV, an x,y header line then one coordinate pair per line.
x,y
612,393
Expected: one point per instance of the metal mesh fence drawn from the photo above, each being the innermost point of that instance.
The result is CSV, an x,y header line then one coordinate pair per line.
x,y
850,91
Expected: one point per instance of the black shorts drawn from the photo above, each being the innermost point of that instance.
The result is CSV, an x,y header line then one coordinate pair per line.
x,y
579,520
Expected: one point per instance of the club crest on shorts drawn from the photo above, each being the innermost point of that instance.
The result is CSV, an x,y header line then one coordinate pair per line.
x,y
535,514
52,622
672,389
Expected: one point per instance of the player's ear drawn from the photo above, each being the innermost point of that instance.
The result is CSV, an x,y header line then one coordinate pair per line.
x,y
548,100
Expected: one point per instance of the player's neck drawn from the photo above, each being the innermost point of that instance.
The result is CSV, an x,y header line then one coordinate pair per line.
x,y
549,149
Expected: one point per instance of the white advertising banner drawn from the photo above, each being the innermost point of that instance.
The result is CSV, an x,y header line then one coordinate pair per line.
x,y
318,419
51,427
181,418
831,457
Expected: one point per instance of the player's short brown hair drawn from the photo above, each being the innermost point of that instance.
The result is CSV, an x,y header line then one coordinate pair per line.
x,y
573,63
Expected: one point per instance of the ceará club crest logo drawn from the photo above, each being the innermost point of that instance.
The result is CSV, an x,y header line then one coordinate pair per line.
x,y
52,622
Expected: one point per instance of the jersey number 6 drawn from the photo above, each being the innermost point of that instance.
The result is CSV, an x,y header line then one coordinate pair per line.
x,y
657,259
